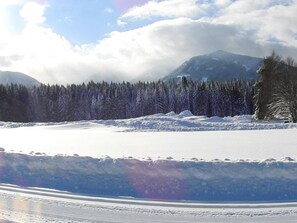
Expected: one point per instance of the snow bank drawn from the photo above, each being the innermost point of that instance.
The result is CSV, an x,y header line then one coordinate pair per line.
x,y
170,122
185,114
161,179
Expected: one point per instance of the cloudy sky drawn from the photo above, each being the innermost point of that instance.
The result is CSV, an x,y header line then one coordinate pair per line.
x,y
71,41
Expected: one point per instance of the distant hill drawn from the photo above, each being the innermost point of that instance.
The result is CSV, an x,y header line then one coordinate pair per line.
x,y
218,66
8,77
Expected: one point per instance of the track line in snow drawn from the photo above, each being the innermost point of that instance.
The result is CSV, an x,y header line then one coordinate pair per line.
x,y
132,201
27,205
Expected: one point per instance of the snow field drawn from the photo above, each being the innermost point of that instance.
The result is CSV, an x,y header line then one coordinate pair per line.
x,y
169,160
163,156
178,136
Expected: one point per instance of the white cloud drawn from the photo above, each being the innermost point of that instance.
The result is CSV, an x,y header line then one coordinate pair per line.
x,y
33,12
267,19
121,23
5,29
222,3
4,3
164,8
158,48
155,49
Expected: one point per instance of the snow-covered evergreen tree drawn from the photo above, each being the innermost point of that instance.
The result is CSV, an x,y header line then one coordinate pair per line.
x,y
276,92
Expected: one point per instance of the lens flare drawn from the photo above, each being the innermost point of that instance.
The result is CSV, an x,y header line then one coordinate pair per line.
x,y
162,179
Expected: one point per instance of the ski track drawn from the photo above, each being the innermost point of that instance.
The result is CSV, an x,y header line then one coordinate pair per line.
x,y
39,205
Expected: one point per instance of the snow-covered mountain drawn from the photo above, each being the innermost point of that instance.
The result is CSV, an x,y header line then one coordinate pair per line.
x,y
218,66
9,77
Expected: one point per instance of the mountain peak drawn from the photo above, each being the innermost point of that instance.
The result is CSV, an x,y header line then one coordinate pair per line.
x,y
220,52
218,66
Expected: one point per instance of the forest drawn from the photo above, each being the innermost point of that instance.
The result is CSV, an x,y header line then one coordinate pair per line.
x,y
272,97
55,103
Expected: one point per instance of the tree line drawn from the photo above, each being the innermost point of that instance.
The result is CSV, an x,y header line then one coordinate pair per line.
x,y
54,103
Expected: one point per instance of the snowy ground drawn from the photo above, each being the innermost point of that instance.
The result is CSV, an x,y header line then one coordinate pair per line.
x,y
171,156
39,205
180,136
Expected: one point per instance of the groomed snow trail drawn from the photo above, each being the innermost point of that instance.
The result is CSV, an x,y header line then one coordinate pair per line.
x,y
41,205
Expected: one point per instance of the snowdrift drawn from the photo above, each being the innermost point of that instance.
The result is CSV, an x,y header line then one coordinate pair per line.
x,y
162,179
170,122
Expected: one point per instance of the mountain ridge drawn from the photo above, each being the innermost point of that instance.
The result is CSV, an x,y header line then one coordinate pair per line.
x,y
10,77
217,66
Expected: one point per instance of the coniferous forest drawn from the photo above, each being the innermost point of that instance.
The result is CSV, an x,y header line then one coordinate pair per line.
x,y
54,103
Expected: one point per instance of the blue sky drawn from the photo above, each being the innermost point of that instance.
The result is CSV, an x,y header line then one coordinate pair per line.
x,y
71,41
80,21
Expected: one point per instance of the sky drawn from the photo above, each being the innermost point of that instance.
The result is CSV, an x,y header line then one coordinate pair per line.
x,y
75,41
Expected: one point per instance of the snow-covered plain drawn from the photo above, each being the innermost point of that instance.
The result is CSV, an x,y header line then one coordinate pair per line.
x,y
163,156
180,136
